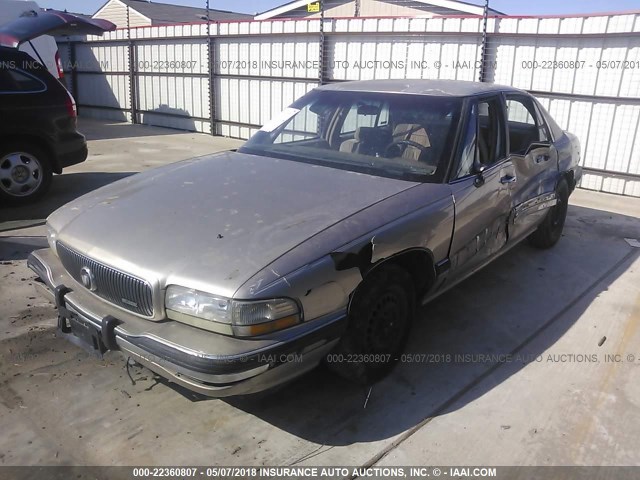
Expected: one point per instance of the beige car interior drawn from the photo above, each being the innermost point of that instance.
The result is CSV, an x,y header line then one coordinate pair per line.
x,y
370,139
412,133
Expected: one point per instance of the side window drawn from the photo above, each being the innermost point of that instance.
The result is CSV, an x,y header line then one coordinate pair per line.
x,y
14,81
484,139
543,130
525,123
470,145
491,137
518,113
552,126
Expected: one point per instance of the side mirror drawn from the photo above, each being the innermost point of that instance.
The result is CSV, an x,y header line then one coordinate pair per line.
x,y
479,169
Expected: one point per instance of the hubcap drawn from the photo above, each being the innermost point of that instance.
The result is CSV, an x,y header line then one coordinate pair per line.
x,y
20,174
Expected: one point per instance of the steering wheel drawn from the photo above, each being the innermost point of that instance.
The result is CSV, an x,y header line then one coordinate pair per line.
x,y
404,143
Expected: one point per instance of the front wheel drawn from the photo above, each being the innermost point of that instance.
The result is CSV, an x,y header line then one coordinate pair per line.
x,y
25,173
550,230
380,318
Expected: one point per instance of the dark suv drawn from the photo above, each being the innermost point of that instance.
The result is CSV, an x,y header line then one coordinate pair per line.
x,y
38,135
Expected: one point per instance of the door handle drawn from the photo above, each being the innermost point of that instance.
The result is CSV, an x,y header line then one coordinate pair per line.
x,y
508,179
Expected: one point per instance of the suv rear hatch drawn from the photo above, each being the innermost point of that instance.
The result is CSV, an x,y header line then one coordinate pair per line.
x,y
33,24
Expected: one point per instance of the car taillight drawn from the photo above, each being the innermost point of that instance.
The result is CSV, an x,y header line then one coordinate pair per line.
x,y
70,103
59,66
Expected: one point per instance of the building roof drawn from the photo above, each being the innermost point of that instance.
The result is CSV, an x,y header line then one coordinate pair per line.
x,y
446,6
81,15
447,88
162,13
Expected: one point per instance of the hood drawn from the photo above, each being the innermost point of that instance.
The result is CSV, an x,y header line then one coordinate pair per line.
x,y
213,222
33,24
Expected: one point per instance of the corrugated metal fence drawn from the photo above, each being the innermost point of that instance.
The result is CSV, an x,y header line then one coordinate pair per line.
x,y
230,78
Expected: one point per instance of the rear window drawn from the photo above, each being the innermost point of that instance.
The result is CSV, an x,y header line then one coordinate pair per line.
x,y
16,81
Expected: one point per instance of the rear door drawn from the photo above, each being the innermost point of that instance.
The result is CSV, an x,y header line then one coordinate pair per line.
x,y
535,159
480,186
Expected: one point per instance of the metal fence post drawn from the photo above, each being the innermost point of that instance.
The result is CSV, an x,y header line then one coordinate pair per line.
x,y
211,70
321,76
132,73
73,70
484,54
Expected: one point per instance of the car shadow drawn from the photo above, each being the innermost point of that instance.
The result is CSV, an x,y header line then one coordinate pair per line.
x,y
19,248
95,129
523,302
64,188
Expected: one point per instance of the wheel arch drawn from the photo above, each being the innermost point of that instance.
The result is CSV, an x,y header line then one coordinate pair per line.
x,y
418,262
39,142
570,178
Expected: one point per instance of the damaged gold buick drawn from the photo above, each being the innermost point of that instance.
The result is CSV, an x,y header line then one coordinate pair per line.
x,y
232,273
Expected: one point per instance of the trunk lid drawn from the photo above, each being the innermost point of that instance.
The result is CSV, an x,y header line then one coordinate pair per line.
x,y
33,24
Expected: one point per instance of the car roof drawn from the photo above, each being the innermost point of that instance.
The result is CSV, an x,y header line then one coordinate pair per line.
x,y
440,88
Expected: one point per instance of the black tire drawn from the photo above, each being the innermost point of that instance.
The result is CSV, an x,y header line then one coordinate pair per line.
x,y
380,318
25,173
550,230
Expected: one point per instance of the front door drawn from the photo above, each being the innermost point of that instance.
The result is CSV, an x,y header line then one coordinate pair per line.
x,y
480,186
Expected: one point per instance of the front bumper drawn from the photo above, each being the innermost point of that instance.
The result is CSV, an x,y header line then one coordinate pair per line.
x,y
201,361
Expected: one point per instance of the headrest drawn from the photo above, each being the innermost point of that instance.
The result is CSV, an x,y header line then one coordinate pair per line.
x,y
366,134
405,129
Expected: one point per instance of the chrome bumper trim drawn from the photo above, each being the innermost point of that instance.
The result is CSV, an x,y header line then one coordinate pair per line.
x,y
229,375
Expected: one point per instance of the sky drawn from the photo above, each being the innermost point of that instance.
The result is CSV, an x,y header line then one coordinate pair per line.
x,y
513,7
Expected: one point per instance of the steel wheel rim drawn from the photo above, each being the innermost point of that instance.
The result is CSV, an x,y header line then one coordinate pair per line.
x,y
386,320
558,214
20,174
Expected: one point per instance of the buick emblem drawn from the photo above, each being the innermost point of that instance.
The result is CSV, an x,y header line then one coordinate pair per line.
x,y
88,279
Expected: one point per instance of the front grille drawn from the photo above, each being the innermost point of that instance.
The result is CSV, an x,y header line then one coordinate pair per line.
x,y
117,287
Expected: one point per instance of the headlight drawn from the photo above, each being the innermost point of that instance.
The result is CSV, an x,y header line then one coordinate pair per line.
x,y
52,235
232,317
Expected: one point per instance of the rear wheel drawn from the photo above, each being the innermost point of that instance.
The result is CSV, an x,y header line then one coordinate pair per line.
x,y
379,322
550,230
25,173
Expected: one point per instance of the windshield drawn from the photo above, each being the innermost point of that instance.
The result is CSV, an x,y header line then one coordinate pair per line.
x,y
386,134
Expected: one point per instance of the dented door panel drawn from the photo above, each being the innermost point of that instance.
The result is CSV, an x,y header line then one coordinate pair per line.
x,y
482,214
533,192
